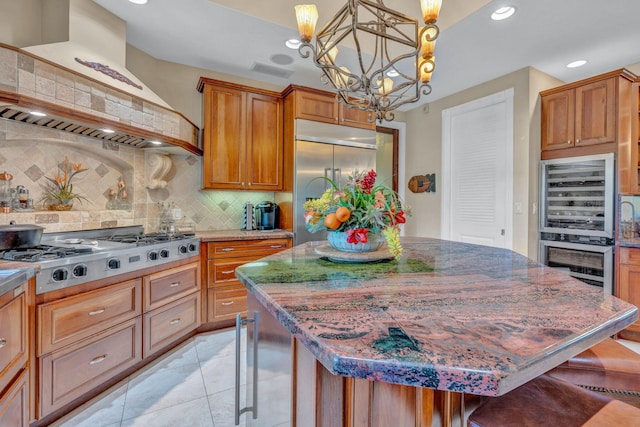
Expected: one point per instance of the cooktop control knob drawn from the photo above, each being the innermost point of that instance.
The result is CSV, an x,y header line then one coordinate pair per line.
x,y
183,249
113,264
59,275
164,253
152,255
79,270
192,247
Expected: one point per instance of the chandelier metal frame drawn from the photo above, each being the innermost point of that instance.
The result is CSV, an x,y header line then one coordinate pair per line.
x,y
370,88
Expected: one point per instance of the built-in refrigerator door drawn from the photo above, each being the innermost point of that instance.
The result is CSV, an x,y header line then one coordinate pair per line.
x,y
348,160
269,361
313,159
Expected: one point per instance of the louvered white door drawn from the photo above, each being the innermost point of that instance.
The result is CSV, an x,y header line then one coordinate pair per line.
x,y
477,169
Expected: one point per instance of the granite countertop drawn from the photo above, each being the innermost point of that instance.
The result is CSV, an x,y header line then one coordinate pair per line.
x,y
221,235
11,278
447,315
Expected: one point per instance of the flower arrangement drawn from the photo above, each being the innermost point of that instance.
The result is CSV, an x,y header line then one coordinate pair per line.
x,y
59,189
357,208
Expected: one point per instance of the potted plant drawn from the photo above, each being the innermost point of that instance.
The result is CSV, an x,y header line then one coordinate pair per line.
x,y
359,216
58,193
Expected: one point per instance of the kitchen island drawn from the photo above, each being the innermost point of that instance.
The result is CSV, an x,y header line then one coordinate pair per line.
x,y
375,340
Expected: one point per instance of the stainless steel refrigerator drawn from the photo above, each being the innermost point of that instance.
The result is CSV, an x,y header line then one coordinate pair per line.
x,y
331,151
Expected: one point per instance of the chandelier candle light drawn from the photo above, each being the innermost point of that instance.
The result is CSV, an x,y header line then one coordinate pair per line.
x,y
395,58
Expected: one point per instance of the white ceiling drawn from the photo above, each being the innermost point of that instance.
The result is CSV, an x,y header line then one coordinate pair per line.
x,y
231,35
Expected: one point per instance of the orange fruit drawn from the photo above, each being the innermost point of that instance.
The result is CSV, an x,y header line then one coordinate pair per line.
x,y
331,222
343,214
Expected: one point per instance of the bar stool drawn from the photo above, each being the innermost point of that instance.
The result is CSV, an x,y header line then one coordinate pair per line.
x,y
608,367
548,401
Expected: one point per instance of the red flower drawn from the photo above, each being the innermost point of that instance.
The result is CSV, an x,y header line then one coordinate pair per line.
x,y
358,235
368,181
400,219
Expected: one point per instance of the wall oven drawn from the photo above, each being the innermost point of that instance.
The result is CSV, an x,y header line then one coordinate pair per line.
x,y
577,217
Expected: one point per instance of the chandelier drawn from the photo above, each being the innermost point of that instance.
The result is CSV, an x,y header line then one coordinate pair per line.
x,y
394,60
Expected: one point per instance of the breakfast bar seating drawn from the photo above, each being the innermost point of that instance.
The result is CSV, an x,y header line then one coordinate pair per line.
x,y
548,401
608,367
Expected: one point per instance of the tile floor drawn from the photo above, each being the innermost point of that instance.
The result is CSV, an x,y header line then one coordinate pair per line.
x,y
192,386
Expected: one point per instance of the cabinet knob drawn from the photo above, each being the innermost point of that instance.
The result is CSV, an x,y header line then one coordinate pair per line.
x,y
577,141
569,141
3,342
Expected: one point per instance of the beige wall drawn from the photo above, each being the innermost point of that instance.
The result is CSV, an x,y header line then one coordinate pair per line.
x,y
176,83
423,153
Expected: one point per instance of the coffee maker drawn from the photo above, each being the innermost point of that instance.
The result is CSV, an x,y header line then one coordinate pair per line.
x,y
266,216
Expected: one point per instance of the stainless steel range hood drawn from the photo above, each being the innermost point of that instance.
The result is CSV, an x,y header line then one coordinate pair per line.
x,y
76,76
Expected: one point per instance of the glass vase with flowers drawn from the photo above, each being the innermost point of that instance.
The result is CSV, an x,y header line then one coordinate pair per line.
x,y
359,216
58,191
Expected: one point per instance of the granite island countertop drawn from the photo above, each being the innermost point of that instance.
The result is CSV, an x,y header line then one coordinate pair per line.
x,y
447,315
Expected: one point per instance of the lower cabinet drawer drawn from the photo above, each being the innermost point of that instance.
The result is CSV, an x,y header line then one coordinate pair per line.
x,y
68,373
225,303
14,404
170,285
167,324
71,319
13,339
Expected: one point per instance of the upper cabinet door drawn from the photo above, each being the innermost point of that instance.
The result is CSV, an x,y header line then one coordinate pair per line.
x,y
355,117
264,142
318,107
596,113
558,120
224,138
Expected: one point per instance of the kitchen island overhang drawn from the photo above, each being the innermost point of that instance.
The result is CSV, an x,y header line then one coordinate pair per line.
x,y
447,316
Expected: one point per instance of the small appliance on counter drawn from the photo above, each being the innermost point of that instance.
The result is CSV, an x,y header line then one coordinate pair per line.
x,y
248,217
266,216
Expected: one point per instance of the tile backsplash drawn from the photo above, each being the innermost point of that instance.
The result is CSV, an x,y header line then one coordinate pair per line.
x,y
31,153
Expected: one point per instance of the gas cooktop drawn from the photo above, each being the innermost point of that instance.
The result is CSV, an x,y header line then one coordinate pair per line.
x,y
72,258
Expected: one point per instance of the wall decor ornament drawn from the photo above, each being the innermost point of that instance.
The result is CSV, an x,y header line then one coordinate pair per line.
x,y
423,183
105,69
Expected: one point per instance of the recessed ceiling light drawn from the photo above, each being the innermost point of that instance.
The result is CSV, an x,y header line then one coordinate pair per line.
x,y
503,13
108,130
392,73
138,1
37,113
292,43
281,59
576,64
156,142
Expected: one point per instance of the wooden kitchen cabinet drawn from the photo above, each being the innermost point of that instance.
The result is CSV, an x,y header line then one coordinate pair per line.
x,y
224,294
591,116
76,369
242,137
628,288
74,318
171,306
321,106
14,403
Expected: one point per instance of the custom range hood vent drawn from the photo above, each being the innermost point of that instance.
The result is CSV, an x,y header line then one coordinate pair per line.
x,y
78,79
57,123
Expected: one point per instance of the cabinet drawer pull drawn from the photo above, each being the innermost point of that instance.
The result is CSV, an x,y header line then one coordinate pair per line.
x,y
227,303
276,246
227,272
99,311
3,342
175,321
226,249
98,359
174,284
